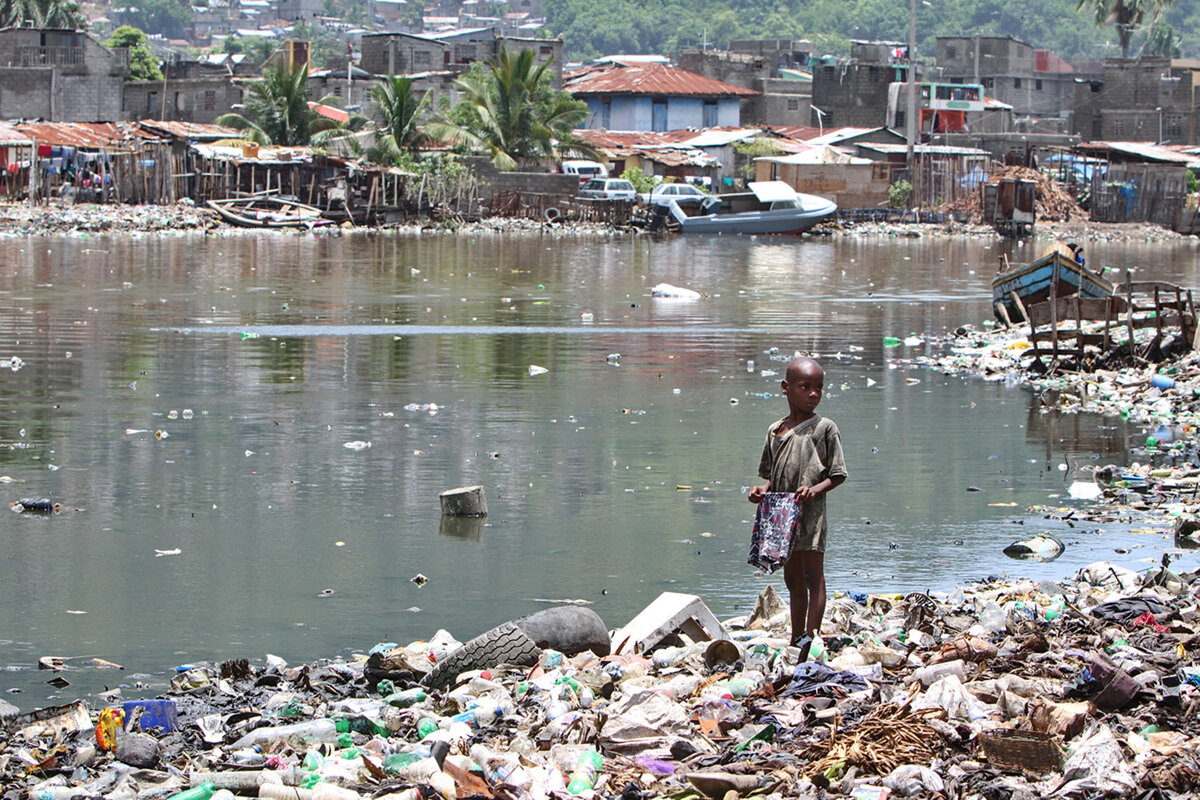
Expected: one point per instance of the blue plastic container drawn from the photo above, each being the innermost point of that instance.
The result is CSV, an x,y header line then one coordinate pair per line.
x,y
155,714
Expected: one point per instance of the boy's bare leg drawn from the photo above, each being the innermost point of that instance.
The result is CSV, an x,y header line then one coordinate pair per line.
x,y
813,566
793,578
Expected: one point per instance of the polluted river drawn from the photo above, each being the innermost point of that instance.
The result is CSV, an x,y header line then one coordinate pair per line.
x,y
247,435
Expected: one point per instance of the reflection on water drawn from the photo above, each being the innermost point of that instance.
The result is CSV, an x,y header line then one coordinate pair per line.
x,y
198,395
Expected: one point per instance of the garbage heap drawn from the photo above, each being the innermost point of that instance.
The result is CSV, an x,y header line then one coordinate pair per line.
x,y
1082,688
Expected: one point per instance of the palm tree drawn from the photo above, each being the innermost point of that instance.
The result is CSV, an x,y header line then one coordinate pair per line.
x,y
1127,15
42,13
277,111
400,118
511,113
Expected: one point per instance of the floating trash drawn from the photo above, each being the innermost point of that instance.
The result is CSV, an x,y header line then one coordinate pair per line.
x,y
357,444
534,369
1043,547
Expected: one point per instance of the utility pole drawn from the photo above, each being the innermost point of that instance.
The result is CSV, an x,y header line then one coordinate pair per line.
x,y
910,116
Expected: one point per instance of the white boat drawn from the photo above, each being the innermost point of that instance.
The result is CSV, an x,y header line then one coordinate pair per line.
x,y
769,207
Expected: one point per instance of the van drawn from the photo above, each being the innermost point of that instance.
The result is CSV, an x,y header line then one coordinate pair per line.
x,y
585,170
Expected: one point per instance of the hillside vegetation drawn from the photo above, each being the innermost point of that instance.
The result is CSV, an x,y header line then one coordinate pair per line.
x,y
604,27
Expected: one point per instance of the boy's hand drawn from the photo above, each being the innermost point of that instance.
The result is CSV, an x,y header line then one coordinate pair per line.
x,y
756,493
805,493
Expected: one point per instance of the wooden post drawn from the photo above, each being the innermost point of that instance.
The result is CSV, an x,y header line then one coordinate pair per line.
x,y
465,501
1129,311
1054,319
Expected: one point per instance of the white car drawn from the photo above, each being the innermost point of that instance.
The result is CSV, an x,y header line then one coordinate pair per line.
x,y
684,194
608,189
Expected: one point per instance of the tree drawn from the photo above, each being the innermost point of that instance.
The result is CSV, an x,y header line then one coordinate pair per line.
x,y
42,13
142,64
277,112
1163,41
1126,15
170,18
258,48
399,118
512,114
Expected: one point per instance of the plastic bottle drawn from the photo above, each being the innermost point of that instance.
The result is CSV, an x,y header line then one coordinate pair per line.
x,y
935,672
202,792
57,793
500,768
426,726
586,772
317,730
322,791
481,715
246,781
993,617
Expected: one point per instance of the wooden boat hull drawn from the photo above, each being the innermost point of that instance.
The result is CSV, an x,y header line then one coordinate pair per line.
x,y
1033,283
260,213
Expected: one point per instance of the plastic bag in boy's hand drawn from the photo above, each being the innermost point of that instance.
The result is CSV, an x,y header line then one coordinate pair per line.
x,y
774,530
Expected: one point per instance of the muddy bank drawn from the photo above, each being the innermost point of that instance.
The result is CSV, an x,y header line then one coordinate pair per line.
x,y
20,219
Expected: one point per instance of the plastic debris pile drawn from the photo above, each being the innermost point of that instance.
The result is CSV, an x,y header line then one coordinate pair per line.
x,y
1084,688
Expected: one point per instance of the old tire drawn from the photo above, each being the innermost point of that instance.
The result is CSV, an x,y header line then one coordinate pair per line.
x,y
504,644
552,215
569,629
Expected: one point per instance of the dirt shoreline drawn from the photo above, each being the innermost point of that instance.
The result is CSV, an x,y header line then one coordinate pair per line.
x,y
21,219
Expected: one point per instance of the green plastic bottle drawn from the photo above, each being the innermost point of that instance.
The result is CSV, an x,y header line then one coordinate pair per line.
x,y
426,726
586,772
202,792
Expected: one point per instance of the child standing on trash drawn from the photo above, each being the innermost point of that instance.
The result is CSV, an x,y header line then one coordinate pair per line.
x,y
803,455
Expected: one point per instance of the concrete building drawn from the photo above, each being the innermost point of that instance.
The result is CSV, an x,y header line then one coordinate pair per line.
x,y
60,76
654,97
1038,84
194,90
1143,100
295,10
782,99
407,53
855,94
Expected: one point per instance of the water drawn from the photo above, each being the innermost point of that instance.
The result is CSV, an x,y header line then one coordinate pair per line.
x,y
197,394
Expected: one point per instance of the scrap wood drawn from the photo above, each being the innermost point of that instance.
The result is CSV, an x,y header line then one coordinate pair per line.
x,y
888,737
1051,200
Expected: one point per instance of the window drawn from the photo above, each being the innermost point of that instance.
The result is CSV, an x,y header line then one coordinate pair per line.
x,y
605,114
1016,83
1037,84
900,122
210,100
152,104
546,52
421,58
709,119
1173,126
1118,128
793,104
951,52
989,83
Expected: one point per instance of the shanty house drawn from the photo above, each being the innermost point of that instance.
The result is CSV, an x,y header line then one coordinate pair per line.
x,y
654,97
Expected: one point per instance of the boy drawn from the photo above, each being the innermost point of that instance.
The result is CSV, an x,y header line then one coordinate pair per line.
x,y
803,454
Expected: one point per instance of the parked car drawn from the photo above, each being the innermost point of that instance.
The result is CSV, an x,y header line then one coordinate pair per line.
x,y
682,193
608,189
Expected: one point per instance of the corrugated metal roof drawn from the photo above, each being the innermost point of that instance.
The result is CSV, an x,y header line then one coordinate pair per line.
x,y
11,137
194,131
1147,151
77,134
659,147
939,149
825,154
720,137
644,79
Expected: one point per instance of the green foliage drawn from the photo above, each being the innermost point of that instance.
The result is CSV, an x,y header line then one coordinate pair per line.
x,y
1162,41
1125,15
143,66
641,183
593,28
1193,182
170,18
754,148
399,120
258,48
277,111
42,13
900,194
511,113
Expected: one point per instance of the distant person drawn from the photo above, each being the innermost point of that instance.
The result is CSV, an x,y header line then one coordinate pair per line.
x,y
803,456
1076,253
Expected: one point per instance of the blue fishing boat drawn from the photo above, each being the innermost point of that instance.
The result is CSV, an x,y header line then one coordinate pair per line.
x,y
1032,283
